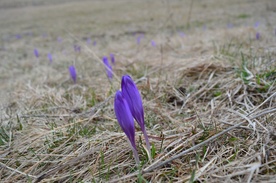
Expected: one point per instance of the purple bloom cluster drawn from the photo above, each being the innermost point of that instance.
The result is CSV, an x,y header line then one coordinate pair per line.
x,y
131,108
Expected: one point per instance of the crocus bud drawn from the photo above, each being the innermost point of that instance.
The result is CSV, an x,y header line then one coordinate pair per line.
x,y
50,58
18,36
108,68
88,41
132,96
73,73
153,43
112,58
36,53
77,48
138,39
59,39
258,36
256,24
125,120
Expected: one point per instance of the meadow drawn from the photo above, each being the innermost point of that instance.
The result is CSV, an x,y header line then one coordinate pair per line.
x,y
206,72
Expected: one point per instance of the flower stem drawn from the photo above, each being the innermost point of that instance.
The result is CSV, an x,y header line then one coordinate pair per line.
x,y
147,143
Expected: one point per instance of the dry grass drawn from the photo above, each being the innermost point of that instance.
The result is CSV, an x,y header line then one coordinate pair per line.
x,y
209,97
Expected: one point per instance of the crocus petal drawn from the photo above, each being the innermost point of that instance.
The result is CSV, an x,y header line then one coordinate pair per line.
x,y
73,73
132,96
125,120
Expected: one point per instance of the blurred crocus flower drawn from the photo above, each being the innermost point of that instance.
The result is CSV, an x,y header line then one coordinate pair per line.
x,y
94,43
112,58
181,34
125,120
256,24
50,58
133,98
77,48
73,73
108,68
44,35
59,39
229,26
153,43
138,40
36,53
18,36
88,41
258,36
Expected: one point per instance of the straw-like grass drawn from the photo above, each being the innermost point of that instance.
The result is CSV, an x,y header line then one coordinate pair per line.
x,y
209,97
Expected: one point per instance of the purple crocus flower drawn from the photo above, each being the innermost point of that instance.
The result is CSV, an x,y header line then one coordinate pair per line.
x,y
132,96
181,34
112,58
18,36
59,39
108,68
77,48
50,58
36,53
153,43
138,40
229,26
125,120
258,36
256,24
94,43
88,41
44,35
73,73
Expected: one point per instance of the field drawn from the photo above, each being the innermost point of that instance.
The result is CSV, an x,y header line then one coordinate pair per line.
x,y
206,71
